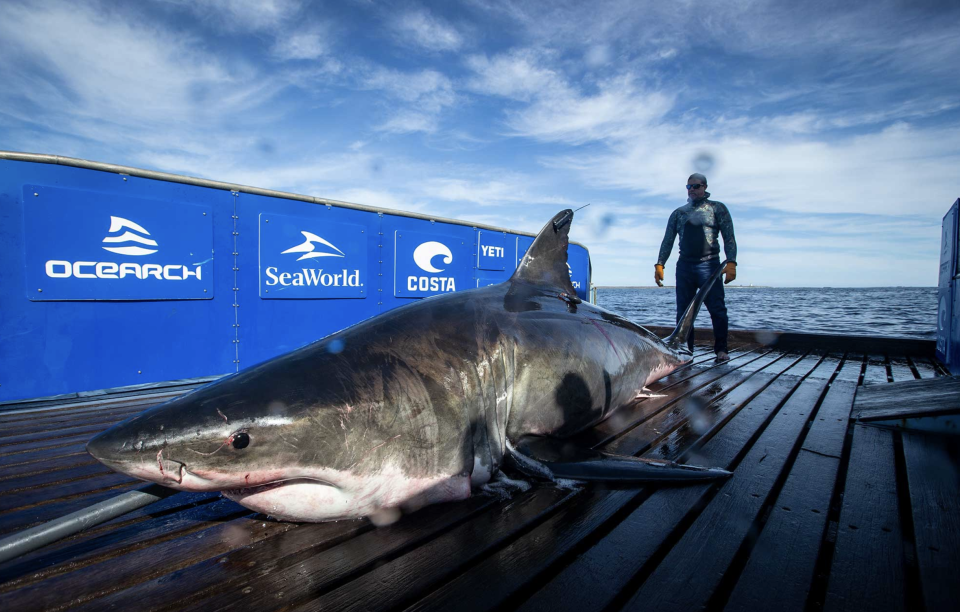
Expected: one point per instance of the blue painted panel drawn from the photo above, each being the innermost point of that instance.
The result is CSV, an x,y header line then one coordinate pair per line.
x,y
523,243
312,257
461,240
96,245
579,263
486,278
429,263
271,327
945,321
47,348
492,253
52,345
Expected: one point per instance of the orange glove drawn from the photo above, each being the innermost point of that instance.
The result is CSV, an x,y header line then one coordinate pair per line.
x,y
658,274
729,272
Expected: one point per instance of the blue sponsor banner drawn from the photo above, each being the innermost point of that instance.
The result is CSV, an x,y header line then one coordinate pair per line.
x,y
306,257
491,250
578,262
523,243
90,245
430,263
486,281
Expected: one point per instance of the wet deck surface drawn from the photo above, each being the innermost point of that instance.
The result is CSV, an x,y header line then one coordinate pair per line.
x,y
823,512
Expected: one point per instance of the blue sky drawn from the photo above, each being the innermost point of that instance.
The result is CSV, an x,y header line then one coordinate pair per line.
x,y
831,130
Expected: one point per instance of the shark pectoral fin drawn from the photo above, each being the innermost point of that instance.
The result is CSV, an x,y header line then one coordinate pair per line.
x,y
566,460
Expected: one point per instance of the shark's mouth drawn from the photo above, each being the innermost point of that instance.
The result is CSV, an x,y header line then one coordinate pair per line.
x,y
270,486
299,499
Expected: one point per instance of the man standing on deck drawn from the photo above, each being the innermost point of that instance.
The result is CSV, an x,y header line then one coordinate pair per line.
x,y
700,223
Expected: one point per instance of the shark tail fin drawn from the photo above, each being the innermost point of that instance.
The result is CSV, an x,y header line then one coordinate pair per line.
x,y
678,339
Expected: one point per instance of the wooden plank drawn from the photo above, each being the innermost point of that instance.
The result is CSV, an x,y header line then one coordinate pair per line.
x,y
16,429
66,414
34,497
780,568
833,358
168,518
868,568
40,456
53,463
14,412
914,398
924,367
876,372
720,530
115,574
851,368
900,369
50,444
16,520
587,582
13,487
53,436
933,473
707,407
386,579
633,415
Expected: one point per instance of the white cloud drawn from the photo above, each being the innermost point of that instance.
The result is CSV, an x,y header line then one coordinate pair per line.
x,y
519,75
425,94
557,111
896,170
244,15
304,45
103,67
490,191
423,29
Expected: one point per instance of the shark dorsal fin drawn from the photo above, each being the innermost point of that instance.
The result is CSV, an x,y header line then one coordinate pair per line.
x,y
546,260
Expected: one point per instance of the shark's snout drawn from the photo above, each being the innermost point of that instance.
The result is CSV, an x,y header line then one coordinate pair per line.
x,y
116,449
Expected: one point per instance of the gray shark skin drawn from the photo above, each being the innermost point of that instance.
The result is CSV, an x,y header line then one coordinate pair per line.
x,y
418,405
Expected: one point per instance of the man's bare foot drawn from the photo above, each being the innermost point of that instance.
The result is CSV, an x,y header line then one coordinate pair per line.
x,y
722,356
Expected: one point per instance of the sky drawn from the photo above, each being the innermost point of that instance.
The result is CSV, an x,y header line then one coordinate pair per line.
x,y
831,130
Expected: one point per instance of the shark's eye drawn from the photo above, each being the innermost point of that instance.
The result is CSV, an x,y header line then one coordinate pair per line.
x,y
241,440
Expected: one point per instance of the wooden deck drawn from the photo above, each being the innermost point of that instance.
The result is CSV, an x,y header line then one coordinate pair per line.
x,y
823,512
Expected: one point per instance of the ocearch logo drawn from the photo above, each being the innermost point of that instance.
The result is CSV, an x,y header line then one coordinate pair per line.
x,y
119,223
313,277
58,268
576,284
424,256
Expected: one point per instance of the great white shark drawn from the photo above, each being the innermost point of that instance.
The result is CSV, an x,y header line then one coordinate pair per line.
x,y
418,405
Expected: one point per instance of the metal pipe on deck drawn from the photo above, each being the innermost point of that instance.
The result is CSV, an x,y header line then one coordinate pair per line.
x,y
31,539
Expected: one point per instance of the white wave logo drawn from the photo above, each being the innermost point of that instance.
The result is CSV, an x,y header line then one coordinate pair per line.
x,y
307,248
423,255
119,223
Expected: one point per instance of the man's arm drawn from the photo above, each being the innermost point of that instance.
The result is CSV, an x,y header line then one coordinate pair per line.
x,y
726,231
666,247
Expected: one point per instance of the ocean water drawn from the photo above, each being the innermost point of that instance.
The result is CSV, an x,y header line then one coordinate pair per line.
x,y
881,311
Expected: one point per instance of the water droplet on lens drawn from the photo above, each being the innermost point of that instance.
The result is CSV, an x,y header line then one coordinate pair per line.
x,y
703,162
335,346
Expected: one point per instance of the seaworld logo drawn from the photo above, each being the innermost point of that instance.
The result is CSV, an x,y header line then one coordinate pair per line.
x,y
424,256
308,246
313,277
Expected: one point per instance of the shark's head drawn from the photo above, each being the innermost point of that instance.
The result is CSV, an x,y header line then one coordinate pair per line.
x,y
283,441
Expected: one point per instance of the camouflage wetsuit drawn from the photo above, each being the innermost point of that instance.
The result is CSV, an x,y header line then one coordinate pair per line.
x,y
700,225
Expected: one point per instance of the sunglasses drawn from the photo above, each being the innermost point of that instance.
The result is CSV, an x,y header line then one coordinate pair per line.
x,y
696,186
